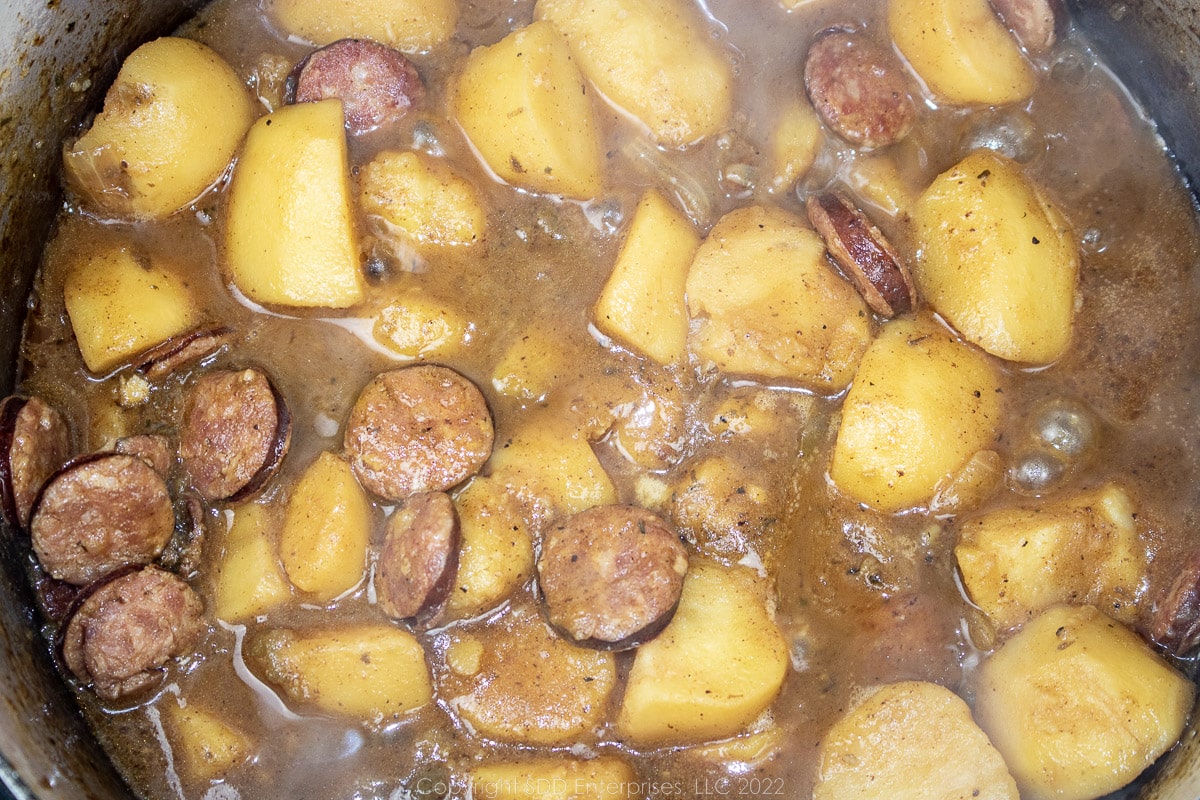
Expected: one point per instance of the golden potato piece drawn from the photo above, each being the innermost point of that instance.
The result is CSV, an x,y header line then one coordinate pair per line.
x,y
654,60
533,365
410,26
767,303
794,144
417,326
604,778
910,741
717,665
289,234
1079,705
961,51
998,260
248,579
523,104
120,307
1018,562
204,745
496,554
171,124
642,303
921,405
421,200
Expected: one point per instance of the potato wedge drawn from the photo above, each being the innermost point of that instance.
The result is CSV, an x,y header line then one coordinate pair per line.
x,y
532,366
921,405
717,665
289,234
654,60
416,326
375,673
524,106
767,303
204,745
326,530
410,26
120,307
556,779
911,741
1016,563
1079,705
998,260
421,200
248,579
496,554
642,303
171,124
794,144
961,50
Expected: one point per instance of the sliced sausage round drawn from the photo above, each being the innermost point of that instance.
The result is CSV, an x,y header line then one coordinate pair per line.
x,y
375,83
419,559
1175,621
236,430
179,351
98,513
863,253
155,450
418,429
1037,24
611,576
858,89
34,442
122,632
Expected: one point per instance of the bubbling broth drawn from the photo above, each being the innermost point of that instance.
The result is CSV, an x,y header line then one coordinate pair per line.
x,y
885,507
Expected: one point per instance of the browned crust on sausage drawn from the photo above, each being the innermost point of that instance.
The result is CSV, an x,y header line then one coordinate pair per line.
x,y
236,431
858,89
375,83
418,429
98,513
123,631
34,442
179,351
155,450
863,253
611,576
1037,24
419,559
1175,620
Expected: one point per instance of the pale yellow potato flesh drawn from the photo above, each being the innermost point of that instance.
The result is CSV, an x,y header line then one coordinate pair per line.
x,y
416,326
410,26
171,124
910,741
1079,705
795,141
248,579
421,200
653,59
922,404
204,745
997,259
532,366
525,108
289,233
496,554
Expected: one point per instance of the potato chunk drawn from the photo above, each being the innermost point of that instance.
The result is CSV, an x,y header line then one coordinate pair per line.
x,y
171,123
410,26
769,305
794,144
911,741
120,307
532,366
421,200
961,50
326,530
289,235
496,555
417,326
1078,705
205,746
1018,562
248,580
998,260
716,666
921,405
523,104
528,685
557,779
373,672
654,60
642,304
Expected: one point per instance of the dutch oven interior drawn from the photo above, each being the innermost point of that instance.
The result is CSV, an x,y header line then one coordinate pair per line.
x,y
61,56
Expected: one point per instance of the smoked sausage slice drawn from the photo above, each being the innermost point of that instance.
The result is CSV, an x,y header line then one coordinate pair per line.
x,y
611,576
236,430
99,513
125,629
418,429
1175,621
34,442
1037,24
419,559
858,89
375,83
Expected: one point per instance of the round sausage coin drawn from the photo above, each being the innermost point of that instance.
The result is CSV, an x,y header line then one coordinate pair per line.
x,y
236,430
611,576
418,429
99,513
858,88
419,558
34,442
123,631
155,450
1037,24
